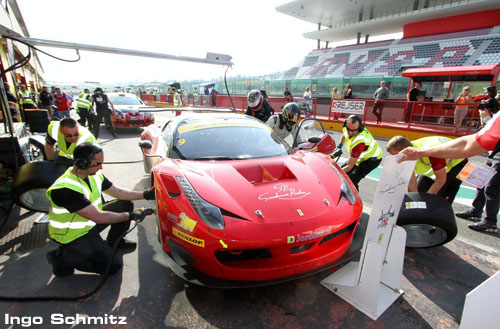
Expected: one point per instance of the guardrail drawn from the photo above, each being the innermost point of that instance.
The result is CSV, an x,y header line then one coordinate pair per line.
x,y
435,115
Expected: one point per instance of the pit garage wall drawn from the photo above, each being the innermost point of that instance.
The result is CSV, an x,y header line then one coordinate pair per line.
x,y
32,72
472,21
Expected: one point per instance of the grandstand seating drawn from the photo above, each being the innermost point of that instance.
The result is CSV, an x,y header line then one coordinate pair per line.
x,y
388,58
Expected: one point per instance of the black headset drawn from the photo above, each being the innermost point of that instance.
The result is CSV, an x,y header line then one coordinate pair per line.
x,y
84,153
355,118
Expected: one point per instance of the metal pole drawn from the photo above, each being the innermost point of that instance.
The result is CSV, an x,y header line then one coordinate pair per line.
x,y
211,58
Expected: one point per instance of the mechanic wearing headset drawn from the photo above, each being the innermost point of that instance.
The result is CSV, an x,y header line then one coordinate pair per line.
x,y
77,216
67,134
365,153
436,176
258,107
285,123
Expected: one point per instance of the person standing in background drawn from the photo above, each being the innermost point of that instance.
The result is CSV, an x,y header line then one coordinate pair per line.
x,y
411,98
335,95
463,101
380,95
102,104
46,101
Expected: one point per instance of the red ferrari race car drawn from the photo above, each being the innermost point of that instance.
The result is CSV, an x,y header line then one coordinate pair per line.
x,y
127,113
237,206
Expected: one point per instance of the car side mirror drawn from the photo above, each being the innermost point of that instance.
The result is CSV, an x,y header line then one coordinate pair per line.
x,y
145,144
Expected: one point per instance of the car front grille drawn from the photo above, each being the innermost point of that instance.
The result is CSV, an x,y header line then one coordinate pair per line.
x,y
347,229
225,256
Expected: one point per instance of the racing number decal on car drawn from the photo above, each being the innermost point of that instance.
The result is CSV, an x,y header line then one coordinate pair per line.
x,y
188,238
181,142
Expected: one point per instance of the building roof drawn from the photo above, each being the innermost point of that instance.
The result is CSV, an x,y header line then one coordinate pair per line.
x,y
343,19
453,71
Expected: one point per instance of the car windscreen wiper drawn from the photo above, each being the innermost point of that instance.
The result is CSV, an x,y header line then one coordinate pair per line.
x,y
216,157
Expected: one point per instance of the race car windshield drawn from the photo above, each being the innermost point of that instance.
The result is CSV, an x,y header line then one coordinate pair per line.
x,y
125,100
227,142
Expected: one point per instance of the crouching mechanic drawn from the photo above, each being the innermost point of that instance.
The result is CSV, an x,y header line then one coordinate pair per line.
x,y
436,176
77,216
364,152
285,123
68,135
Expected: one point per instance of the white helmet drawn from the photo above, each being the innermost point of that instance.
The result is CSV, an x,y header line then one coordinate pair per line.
x,y
255,99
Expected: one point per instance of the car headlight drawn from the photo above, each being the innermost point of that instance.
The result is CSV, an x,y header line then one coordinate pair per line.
x,y
208,213
346,190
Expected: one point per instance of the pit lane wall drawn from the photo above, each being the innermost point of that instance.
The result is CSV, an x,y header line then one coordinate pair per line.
x,y
411,119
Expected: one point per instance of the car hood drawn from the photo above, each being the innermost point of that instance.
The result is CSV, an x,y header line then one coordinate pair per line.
x,y
130,108
279,189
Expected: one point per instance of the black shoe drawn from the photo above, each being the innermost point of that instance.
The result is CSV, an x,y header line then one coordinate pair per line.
x,y
469,214
483,226
115,136
58,268
124,245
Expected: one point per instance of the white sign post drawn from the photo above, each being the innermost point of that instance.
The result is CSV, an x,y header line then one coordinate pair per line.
x,y
373,284
481,305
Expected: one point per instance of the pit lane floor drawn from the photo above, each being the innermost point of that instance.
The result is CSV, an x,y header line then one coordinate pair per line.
x,y
149,295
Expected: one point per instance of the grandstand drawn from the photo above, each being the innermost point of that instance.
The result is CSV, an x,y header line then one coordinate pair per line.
x,y
389,58
435,34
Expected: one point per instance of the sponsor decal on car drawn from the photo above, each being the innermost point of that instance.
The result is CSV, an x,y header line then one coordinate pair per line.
x,y
283,193
308,236
207,125
188,238
183,221
187,223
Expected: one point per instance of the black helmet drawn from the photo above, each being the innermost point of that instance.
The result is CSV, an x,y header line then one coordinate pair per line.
x,y
255,99
491,89
291,112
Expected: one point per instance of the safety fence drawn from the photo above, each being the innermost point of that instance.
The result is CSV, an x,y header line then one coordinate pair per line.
x,y
435,115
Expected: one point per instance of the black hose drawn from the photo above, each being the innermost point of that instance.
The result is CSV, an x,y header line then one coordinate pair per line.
x,y
227,89
73,298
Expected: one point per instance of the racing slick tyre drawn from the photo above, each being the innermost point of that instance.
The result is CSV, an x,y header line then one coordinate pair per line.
x,y
428,220
32,181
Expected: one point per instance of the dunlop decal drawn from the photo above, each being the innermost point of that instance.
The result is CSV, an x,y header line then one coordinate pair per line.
x,y
188,238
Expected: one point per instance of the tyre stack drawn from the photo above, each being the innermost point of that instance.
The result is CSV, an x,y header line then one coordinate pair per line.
x,y
38,120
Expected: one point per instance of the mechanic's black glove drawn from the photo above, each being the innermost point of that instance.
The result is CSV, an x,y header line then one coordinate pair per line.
x,y
337,153
149,193
136,215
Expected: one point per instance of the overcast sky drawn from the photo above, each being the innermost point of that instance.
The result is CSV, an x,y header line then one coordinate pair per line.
x,y
260,39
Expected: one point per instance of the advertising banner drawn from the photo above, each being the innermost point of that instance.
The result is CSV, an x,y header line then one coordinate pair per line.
x,y
349,107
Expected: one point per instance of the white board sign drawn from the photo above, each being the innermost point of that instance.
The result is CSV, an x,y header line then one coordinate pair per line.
x,y
349,107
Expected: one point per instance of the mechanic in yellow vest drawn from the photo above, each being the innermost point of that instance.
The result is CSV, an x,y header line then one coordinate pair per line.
x,y
25,98
67,134
83,105
436,176
77,216
364,152
177,97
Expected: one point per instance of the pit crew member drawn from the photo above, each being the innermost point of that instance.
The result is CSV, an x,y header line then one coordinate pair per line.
x,y
77,216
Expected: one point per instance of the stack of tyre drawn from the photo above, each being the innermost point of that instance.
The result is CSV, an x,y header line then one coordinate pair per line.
x,y
38,120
